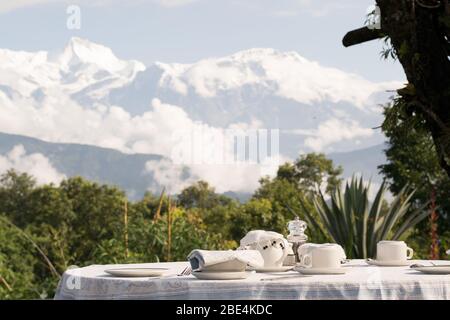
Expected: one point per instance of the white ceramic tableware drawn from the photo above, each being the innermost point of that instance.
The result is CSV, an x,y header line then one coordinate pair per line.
x,y
217,275
317,271
392,263
324,256
272,246
274,269
308,247
393,251
136,272
433,269
273,251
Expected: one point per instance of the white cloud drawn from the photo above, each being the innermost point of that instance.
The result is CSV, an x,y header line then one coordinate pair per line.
x,y
167,174
112,127
34,164
332,131
225,177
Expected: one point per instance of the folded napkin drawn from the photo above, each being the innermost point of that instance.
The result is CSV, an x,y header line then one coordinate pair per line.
x,y
200,259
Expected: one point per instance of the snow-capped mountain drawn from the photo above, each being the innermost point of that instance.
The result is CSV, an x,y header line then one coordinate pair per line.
x,y
83,68
85,94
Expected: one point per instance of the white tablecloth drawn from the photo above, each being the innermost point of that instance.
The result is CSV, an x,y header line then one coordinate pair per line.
x,y
362,281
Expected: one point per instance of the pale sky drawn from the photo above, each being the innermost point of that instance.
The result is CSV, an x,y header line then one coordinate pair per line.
x,y
189,30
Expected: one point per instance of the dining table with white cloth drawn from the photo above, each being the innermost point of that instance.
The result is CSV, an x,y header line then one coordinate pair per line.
x,y
361,281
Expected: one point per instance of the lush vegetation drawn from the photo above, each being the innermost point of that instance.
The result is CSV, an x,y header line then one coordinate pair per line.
x,y
358,225
413,160
44,229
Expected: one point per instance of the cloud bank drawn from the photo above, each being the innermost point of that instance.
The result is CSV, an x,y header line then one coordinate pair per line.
x,y
35,164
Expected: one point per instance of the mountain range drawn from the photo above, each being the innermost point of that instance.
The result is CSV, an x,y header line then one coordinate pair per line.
x,y
87,103
128,171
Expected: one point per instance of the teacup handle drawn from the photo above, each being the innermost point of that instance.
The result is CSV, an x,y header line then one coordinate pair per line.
x,y
285,251
306,260
410,253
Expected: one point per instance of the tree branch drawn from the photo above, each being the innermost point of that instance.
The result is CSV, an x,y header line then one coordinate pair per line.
x,y
361,35
3,280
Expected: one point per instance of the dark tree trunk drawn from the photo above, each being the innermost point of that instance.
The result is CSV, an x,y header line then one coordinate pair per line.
x,y
421,39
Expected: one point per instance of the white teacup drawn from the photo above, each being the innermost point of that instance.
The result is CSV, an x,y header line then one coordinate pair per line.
x,y
308,247
393,251
323,256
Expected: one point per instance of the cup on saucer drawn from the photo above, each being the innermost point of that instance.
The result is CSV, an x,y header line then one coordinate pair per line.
x,y
323,259
392,253
308,247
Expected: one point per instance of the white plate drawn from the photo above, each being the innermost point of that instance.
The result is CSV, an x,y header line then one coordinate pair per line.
x,y
433,269
273,269
137,272
312,271
218,275
398,263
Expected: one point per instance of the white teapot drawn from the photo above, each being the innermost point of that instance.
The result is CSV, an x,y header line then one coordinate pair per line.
x,y
273,247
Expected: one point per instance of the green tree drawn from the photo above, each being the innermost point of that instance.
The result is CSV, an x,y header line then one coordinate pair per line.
x,y
314,170
201,195
255,214
15,188
411,159
216,211
287,201
17,263
99,215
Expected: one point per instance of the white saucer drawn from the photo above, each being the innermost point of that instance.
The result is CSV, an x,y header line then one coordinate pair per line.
x,y
220,275
312,271
433,269
273,269
137,272
394,263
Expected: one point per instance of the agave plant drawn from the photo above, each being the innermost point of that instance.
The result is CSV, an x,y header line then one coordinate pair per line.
x,y
357,225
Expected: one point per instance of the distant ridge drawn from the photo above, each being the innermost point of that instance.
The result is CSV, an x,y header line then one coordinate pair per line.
x,y
362,161
93,163
127,171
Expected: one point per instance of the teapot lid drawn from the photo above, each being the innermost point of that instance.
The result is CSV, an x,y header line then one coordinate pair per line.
x,y
255,236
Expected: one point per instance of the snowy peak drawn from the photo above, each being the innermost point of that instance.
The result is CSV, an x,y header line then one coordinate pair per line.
x,y
82,67
259,54
21,60
284,74
83,52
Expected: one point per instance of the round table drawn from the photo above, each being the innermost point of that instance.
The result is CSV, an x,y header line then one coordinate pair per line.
x,y
362,281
